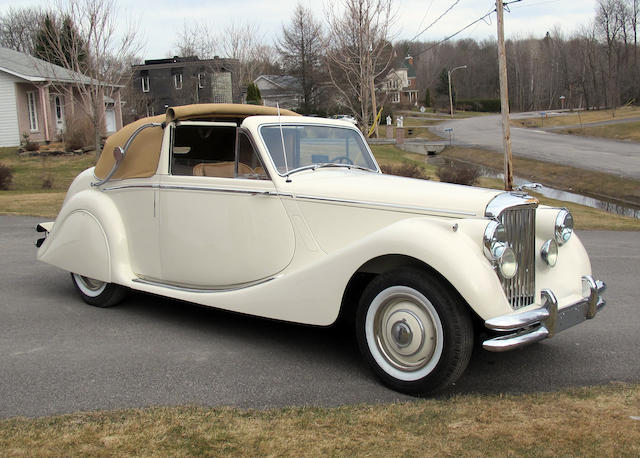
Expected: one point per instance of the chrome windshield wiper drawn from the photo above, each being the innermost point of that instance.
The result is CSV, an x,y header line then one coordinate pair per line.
x,y
349,166
325,164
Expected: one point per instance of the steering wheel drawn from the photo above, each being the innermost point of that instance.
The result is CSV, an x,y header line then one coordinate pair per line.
x,y
342,160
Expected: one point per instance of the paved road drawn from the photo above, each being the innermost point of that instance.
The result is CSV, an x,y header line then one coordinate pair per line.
x,y
60,355
612,156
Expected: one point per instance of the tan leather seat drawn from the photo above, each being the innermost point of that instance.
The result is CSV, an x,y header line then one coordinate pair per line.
x,y
220,169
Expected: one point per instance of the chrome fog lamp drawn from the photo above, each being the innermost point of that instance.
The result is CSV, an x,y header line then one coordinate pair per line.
x,y
564,227
507,263
549,252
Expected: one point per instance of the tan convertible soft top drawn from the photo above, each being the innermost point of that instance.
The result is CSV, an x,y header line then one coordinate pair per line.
x,y
142,158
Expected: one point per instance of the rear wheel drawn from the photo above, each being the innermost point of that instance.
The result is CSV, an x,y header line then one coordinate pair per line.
x,y
98,293
414,332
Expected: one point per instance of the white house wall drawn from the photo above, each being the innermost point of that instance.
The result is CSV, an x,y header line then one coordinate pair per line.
x,y
9,131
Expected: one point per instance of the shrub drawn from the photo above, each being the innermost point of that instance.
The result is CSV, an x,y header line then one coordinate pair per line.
x,y
459,174
481,105
47,183
6,176
78,133
27,144
405,169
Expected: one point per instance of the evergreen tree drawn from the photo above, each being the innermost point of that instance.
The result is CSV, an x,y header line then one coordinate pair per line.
x,y
427,98
253,95
46,45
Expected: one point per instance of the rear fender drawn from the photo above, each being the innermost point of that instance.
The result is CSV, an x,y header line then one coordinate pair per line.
x,y
88,238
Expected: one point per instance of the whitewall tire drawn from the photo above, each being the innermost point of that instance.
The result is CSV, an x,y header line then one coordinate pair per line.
x,y
415,333
98,293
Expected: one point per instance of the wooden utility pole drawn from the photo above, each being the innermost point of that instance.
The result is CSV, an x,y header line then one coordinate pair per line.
x,y
504,100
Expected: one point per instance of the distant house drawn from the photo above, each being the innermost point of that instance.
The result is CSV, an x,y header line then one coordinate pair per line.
x,y
400,84
284,90
38,97
162,83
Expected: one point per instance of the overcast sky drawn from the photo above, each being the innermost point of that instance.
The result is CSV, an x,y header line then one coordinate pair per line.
x,y
158,20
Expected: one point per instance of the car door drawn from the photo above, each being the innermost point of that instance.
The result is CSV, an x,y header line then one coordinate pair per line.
x,y
222,223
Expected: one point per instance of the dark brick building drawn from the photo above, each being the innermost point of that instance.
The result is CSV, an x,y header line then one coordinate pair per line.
x,y
161,83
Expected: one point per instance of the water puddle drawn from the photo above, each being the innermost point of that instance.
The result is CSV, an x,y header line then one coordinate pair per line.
x,y
609,206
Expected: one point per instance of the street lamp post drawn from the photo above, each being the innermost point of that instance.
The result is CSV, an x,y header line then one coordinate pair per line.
x,y
450,97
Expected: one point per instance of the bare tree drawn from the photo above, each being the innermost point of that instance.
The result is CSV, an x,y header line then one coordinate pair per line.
x,y
301,49
359,52
19,27
196,39
106,42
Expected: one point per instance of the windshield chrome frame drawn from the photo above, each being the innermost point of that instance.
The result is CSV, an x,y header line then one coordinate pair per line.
x,y
309,167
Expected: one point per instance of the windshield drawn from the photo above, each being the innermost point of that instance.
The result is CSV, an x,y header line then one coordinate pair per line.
x,y
309,145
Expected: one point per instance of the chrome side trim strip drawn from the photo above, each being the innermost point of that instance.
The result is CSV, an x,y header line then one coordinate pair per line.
x,y
200,188
202,290
379,204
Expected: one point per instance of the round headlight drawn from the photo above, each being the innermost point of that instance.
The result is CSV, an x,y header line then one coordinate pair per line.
x,y
507,263
495,240
549,252
564,227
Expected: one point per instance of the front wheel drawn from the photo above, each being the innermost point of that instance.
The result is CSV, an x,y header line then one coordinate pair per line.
x,y
98,293
414,332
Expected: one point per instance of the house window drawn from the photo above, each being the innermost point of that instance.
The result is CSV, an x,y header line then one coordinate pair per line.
x,y
177,80
33,112
200,80
145,83
395,97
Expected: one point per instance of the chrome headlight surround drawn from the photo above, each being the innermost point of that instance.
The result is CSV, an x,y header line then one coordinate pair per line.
x,y
563,227
498,251
549,252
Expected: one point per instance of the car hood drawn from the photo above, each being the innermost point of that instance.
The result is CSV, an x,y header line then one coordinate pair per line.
x,y
388,191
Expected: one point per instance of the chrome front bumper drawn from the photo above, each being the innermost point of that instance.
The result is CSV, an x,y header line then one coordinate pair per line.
x,y
542,323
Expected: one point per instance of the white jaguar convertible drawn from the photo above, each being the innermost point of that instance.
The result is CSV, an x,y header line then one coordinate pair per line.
x,y
268,213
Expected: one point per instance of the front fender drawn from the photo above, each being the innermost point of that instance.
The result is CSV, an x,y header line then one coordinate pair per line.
x,y
452,248
88,238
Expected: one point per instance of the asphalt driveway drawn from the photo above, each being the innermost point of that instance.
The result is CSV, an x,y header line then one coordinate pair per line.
x,y
60,355
612,156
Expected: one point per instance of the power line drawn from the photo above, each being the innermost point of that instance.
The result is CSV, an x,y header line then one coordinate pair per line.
x,y
437,19
482,18
425,14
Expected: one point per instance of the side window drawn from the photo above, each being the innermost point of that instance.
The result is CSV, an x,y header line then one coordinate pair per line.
x,y
210,151
249,164
204,151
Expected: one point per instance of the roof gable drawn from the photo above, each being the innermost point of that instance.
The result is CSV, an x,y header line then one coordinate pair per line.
x,y
33,69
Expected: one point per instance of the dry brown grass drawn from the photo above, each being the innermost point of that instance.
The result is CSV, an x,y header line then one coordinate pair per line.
x,y
46,204
624,131
575,118
592,421
580,181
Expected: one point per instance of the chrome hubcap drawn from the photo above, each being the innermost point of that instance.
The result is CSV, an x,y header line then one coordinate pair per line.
x,y
401,333
405,332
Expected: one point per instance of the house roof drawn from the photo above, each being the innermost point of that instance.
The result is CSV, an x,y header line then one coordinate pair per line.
x,y
283,81
407,64
33,69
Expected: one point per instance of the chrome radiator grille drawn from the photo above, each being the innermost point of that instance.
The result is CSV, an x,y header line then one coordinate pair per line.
x,y
521,225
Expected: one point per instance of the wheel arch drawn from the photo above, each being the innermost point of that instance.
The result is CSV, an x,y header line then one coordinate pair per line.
x,y
383,264
88,238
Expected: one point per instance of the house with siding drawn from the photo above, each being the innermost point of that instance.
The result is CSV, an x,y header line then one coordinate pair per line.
x,y
400,86
38,98
282,90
